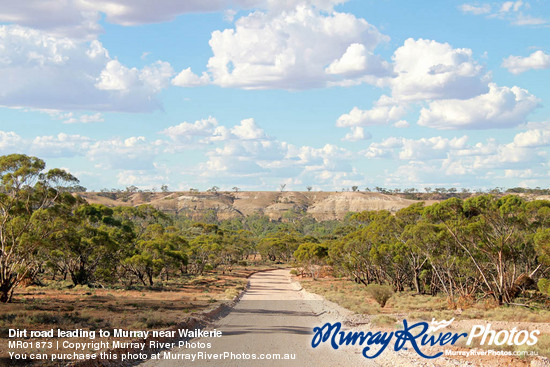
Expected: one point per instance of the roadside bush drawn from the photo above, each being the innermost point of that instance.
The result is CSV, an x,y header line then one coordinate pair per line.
x,y
544,286
380,293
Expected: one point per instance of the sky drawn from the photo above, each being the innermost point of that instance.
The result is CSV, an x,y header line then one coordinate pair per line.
x,y
256,94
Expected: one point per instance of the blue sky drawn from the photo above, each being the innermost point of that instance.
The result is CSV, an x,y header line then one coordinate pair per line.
x,y
259,93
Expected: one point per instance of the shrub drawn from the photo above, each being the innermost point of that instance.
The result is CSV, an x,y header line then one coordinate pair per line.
x,y
380,293
544,286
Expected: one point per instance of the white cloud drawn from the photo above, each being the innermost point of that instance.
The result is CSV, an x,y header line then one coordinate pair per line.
x,y
448,161
61,145
291,50
250,157
428,69
72,117
401,124
502,107
209,131
44,72
356,61
118,77
412,174
141,178
508,6
186,130
133,153
518,64
248,130
475,9
519,173
10,142
511,11
186,78
79,19
529,20
430,148
65,18
356,134
532,138
86,119
385,111
435,147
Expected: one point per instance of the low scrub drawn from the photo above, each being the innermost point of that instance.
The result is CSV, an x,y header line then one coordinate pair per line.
x,y
380,293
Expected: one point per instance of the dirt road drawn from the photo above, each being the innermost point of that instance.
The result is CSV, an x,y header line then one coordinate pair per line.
x,y
273,317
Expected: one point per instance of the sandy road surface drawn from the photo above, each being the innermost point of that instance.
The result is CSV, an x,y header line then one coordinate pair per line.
x,y
273,316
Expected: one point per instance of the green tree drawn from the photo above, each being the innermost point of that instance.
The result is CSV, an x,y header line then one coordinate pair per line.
x,y
87,243
311,256
27,197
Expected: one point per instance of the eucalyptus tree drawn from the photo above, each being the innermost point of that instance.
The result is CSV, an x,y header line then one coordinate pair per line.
x,y
29,196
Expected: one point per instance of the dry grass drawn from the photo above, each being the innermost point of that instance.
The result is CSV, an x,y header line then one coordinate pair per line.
x,y
415,307
56,306
350,295
385,321
356,298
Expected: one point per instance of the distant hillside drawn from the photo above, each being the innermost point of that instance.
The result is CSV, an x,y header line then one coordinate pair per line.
x,y
320,205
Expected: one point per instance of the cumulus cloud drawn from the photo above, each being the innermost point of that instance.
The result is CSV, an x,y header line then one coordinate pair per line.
x,y
440,160
118,77
186,78
415,149
385,111
401,124
133,153
208,130
141,178
186,130
248,130
249,156
519,173
49,146
532,138
10,142
518,64
60,145
427,69
45,72
501,107
356,134
295,49
454,91
356,60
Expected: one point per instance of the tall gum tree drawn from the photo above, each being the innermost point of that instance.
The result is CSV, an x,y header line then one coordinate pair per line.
x,y
28,195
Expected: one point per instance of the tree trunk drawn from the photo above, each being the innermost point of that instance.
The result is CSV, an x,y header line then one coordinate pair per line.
x,y
5,292
416,281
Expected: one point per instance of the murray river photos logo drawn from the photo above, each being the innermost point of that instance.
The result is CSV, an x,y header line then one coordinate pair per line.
x,y
418,336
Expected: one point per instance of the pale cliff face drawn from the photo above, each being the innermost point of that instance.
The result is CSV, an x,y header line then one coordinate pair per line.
x,y
320,205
